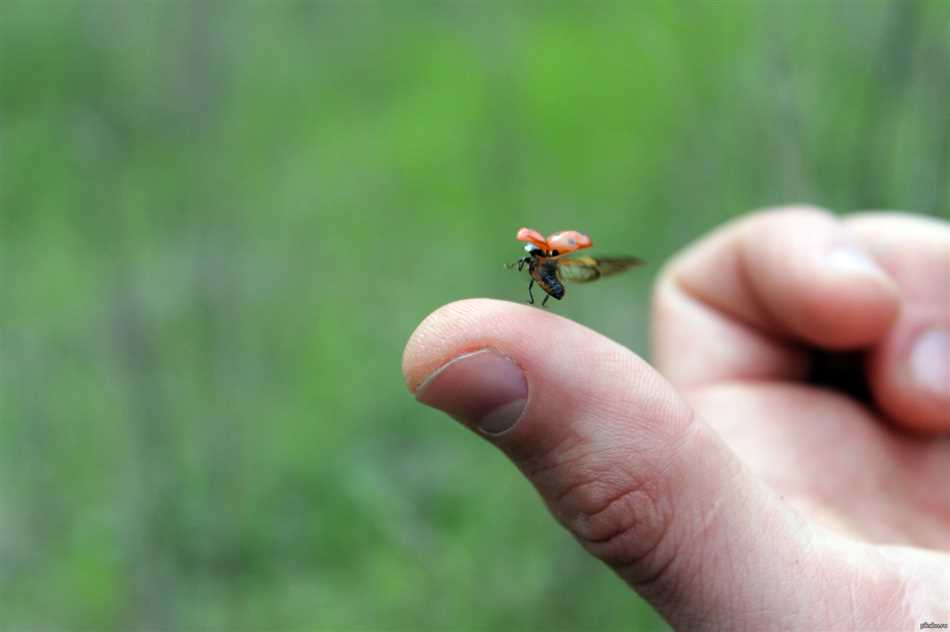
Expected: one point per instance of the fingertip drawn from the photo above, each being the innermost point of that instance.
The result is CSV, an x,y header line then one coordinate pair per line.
x,y
851,303
815,281
910,378
563,374
454,329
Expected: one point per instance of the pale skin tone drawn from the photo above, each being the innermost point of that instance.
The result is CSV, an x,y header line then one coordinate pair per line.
x,y
724,483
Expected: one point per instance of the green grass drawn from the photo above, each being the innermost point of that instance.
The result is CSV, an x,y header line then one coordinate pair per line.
x,y
220,222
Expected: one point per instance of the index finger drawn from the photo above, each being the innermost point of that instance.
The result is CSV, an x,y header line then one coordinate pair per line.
x,y
744,302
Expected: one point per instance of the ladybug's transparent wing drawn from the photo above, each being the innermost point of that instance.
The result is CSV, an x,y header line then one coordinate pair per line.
x,y
586,269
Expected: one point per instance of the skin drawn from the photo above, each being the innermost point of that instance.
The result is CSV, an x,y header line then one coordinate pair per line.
x,y
724,484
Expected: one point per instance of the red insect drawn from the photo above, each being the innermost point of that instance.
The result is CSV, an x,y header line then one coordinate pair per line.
x,y
548,266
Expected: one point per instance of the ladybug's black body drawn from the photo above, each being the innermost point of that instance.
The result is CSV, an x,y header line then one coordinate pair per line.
x,y
543,271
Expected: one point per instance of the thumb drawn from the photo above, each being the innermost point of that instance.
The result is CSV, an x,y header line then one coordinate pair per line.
x,y
622,463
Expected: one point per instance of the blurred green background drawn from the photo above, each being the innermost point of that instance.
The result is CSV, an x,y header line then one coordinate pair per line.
x,y
222,220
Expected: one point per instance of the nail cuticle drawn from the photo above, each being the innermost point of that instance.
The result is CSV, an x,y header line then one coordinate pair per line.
x,y
500,414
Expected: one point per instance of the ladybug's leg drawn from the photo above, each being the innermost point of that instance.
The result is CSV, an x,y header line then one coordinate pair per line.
x,y
545,301
521,263
530,295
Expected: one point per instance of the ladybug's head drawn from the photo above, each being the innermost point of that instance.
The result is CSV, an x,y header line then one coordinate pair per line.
x,y
535,240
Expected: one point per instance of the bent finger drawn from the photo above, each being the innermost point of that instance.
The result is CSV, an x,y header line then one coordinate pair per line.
x,y
743,302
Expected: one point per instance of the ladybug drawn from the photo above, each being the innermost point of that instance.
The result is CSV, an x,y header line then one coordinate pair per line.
x,y
549,266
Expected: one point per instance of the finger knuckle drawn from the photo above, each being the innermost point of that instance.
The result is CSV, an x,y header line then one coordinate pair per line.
x,y
622,526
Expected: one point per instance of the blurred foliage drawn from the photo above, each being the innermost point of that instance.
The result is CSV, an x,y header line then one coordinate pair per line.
x,y
221,221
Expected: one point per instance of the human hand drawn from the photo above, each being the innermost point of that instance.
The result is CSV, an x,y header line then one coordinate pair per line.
x,y
737,492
